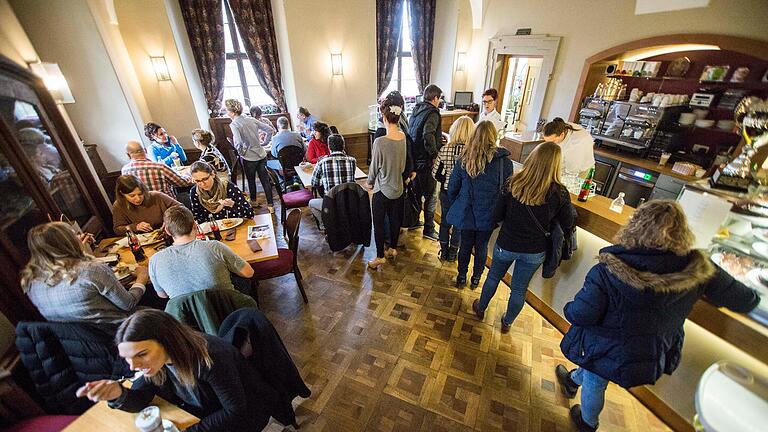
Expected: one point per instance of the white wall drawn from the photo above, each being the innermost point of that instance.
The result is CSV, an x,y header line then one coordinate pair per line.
x,y
101,113
170,102
286,62
14,42
444,46
315,30
587,27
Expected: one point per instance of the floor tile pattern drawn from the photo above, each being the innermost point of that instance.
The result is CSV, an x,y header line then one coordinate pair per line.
x,y
399,349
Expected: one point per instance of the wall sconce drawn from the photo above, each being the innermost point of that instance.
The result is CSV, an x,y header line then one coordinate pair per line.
x,y
161,68
461,62
336,64
54,81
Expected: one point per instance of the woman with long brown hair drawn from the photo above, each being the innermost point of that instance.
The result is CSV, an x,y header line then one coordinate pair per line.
x,y
205,374
533,199
136,207
66,284
627,320
474,188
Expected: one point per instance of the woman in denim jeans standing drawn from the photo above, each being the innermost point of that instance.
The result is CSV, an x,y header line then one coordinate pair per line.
x,y
475,186
459,134
534,197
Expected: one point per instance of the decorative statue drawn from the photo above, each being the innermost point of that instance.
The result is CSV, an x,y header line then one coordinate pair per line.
x,y
751,115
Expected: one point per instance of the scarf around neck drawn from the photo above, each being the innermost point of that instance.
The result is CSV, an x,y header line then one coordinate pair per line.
x,y
210,199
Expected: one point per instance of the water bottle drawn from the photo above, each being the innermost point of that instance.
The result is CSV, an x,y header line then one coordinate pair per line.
x,y
617,205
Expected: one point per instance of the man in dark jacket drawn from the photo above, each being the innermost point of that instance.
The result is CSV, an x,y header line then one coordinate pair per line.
x,y
424,129
627,320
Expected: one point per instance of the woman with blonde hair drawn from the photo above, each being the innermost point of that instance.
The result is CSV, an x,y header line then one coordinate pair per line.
x,y
460,132
204,374
533,199
627,320
66,284
473,191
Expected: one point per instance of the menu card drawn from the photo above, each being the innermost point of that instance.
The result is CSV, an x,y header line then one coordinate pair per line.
x,y
705,213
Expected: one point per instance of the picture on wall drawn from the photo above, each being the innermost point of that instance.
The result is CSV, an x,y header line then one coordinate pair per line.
x,y
714,73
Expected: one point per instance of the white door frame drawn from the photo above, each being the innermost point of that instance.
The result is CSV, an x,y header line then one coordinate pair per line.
x,y
543,46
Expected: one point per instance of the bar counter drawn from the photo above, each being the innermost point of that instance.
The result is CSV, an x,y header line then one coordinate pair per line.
x,y
712,334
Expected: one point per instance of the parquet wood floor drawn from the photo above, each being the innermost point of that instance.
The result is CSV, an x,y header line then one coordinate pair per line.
x,y
399,349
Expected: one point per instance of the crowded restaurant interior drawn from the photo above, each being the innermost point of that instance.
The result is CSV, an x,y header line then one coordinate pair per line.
x,y
383,215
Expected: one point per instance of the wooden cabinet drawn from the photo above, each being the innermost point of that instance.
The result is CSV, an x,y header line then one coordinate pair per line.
x,y
448,117
44,176
520,144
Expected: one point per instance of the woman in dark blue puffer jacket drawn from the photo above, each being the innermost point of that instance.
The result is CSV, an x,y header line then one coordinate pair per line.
x,y
475,186
627,320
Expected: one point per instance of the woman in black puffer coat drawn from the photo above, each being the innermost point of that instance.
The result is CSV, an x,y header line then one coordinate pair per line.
x,y
627,320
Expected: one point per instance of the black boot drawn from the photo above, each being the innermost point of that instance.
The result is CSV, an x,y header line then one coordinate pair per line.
x,y
474,282
461,281
453,254
442,255
578,420
567,385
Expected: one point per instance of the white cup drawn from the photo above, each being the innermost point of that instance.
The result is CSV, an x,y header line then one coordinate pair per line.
x,y
664,158
638,134
149,420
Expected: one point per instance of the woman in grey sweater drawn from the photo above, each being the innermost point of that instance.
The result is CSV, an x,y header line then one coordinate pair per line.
x,y
388,172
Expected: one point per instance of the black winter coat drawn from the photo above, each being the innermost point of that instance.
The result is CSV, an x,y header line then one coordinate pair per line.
x,y
347,216
424,129
232,396
250,331
627,320
61,357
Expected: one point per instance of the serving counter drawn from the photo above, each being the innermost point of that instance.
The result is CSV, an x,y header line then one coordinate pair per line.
x,y
712,334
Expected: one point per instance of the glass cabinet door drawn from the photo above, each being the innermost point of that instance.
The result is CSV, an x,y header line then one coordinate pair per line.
x,y
36,183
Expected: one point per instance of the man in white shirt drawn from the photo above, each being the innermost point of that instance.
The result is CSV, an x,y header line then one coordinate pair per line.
x,y
489,112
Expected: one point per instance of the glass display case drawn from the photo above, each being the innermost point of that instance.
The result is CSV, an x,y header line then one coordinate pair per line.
x,y
739,244
44,176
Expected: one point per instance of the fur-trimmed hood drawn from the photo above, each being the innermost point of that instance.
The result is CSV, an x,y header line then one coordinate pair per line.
x,y
657,271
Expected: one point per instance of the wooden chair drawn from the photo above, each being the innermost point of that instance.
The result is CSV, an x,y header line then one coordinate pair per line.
x,y
287,259
288,200
289,157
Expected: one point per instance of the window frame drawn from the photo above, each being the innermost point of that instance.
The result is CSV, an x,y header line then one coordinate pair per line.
x,y
238,55
398,77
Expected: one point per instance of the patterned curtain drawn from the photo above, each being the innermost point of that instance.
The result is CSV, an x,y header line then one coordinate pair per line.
x,y
389,14
422,33
257,28
205,26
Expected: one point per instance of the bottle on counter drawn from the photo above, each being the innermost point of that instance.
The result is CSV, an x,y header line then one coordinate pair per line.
x,y
136,249
214,227
617,205
586,186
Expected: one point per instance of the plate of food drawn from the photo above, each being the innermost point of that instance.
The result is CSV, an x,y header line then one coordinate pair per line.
x,y
146,239
306,166
123,270
736,265
224,224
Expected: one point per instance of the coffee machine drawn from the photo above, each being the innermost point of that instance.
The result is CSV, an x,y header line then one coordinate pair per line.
x,y
592,114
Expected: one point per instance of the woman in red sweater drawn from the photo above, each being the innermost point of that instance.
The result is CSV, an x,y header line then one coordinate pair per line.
x,y
318,145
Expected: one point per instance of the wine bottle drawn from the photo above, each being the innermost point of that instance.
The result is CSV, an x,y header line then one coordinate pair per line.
x,y
586,186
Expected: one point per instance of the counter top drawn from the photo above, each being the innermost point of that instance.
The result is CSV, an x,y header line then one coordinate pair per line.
x,y
527,137
643,163
595,216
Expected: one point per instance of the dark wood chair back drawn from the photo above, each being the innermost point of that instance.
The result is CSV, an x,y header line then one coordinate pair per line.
x,y
292,225
289,157
278,185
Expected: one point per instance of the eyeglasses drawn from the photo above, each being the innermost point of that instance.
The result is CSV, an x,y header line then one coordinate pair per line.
x,y
203,180
487,101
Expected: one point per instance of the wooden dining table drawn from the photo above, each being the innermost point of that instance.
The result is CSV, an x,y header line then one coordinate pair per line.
x,y
305,175
100,418
239,245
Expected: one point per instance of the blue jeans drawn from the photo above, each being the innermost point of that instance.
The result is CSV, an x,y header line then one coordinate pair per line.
x,y
526,265
446,236
592,394
477,240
